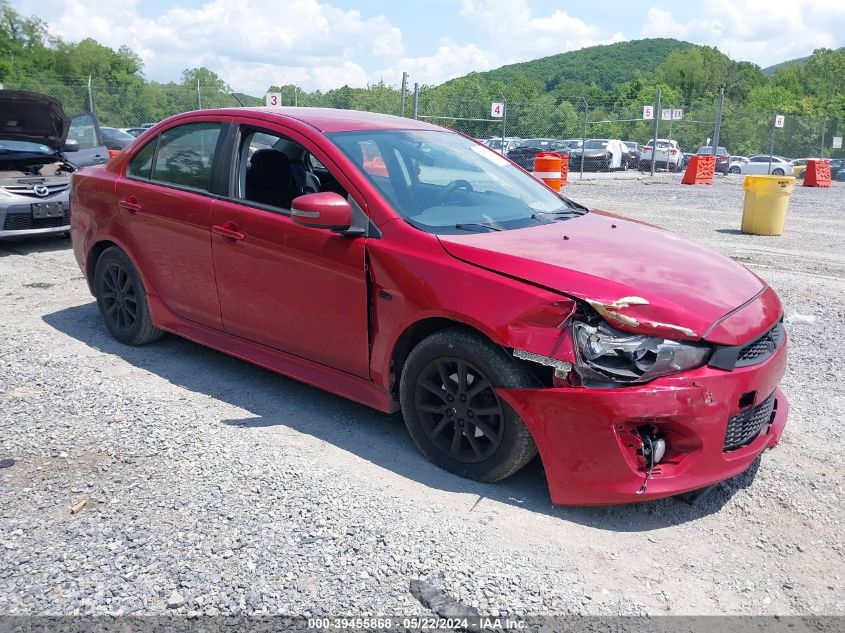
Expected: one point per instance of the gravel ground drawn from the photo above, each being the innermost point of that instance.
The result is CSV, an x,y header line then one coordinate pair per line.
x,y
212,486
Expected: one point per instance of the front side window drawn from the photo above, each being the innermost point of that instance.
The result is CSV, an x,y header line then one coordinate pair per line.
x,y
83,130
442,182
185,155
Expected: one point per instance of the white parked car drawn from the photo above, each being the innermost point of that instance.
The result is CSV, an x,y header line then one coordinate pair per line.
x,y
667,154
760,165
736,161
511,142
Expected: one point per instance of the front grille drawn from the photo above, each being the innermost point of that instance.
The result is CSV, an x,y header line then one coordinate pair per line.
x,y
27,190
25,222
759,350
744,427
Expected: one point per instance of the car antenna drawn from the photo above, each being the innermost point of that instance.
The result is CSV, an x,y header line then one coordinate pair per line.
x,y
235,97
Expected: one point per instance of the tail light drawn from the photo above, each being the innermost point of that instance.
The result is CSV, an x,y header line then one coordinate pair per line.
x,y
672,152
647,148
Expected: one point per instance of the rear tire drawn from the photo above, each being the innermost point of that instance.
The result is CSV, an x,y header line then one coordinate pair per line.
x,y
777,172
122,299
734,170
451,409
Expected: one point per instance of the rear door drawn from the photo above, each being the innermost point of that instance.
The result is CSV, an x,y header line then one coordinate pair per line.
x,y
165,203
85,129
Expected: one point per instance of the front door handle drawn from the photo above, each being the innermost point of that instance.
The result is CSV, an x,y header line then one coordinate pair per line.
x,y
228,229
130,204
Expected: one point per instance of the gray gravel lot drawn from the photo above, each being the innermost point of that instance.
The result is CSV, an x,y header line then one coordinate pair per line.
x,y
212,486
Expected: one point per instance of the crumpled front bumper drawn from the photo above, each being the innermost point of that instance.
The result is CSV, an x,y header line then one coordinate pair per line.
x,y
580,433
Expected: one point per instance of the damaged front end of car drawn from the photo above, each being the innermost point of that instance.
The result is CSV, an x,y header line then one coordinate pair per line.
x,y
630,412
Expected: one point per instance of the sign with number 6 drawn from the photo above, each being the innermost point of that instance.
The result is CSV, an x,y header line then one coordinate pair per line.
x,y
273,99
779,119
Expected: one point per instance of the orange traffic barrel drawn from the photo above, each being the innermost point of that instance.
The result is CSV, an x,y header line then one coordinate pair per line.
x,y
547,166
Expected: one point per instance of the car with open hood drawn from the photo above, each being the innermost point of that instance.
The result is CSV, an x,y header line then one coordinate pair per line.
x,y
36,160
412,269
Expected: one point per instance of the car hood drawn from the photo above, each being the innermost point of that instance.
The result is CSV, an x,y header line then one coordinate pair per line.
x,y
641,277
32,117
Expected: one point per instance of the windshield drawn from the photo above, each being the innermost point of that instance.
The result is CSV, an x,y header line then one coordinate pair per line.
x,y
442,182
709,150
118,135
24,146
595,144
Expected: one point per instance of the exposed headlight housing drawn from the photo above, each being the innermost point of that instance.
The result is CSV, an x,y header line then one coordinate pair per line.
x,y
609,357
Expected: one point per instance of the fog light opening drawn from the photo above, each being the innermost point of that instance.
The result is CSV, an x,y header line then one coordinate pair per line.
x,y
653,451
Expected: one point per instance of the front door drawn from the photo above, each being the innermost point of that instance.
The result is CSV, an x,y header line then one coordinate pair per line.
x,y
299,290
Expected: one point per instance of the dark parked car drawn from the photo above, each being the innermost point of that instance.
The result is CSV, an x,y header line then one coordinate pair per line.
x,y
600,154
115,139
634,152
403,266
528,149
723,159
687,157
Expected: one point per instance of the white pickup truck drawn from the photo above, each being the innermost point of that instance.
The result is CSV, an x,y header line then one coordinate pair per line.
x,y
667,155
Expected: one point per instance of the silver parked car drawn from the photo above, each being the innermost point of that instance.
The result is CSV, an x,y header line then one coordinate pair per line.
x,y
36,161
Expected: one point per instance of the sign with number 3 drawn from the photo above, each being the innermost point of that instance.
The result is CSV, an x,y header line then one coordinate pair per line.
x,y
273,99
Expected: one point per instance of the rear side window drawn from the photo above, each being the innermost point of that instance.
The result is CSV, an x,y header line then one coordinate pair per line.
x,y
185,154
141,165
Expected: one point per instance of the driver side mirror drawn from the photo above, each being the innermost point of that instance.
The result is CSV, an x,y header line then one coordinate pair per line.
x,y
324,210
71,145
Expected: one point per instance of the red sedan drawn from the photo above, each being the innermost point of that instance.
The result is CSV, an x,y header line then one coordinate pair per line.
x,y
407,267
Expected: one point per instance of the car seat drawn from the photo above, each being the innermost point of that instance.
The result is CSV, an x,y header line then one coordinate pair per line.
x,y
269,179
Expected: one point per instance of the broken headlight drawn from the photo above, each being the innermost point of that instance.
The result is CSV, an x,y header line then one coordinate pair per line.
x,y
606,355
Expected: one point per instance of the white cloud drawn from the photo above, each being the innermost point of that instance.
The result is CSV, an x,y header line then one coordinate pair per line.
x,y
449,61
518,34
761,31
316,45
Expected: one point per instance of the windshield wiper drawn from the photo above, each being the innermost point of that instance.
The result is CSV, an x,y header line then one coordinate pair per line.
x,y
474,226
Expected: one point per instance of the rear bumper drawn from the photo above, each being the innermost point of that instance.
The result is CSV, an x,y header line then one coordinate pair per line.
x,y
581,433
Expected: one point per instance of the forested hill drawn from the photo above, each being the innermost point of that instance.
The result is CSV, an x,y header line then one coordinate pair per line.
x,y
603,66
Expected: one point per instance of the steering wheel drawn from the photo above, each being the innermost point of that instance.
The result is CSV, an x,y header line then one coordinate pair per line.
x,y
452,187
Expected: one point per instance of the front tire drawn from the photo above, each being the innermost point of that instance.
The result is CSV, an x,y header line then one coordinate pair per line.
x,y
122,299
734,170
452,411
777,172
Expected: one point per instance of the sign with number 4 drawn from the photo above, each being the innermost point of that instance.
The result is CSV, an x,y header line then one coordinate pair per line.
x,y
497,110
273,99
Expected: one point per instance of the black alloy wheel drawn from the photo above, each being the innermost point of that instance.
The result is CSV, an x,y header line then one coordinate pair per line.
x,y
459,411
120,299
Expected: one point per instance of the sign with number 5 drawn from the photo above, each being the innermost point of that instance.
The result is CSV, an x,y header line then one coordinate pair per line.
x,y
648,112
273,99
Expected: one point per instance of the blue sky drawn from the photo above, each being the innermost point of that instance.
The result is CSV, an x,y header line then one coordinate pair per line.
x,y
321,44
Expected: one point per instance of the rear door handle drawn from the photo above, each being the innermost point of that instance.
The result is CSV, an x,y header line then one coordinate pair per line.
x,y
228,229
131,204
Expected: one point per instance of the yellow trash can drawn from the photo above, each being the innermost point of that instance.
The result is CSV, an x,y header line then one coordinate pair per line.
x,y
766,204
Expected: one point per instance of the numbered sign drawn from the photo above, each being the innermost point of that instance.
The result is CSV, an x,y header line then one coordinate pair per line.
x,y
273,99
677,114
666,114
837,142
497,110
648,112
779,120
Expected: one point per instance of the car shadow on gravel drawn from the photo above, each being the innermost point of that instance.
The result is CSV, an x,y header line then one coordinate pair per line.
x,y
273,400
30,245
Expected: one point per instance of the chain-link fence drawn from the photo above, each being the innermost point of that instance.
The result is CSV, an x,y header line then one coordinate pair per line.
x,y
744,131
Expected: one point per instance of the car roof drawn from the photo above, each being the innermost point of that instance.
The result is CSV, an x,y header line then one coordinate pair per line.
x,y
324,119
